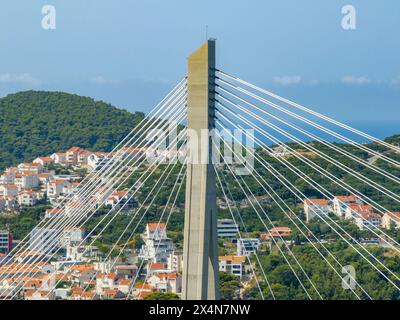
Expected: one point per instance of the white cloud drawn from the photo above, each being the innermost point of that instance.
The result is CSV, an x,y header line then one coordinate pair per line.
x,y
353,80
287,80
22,78
103,80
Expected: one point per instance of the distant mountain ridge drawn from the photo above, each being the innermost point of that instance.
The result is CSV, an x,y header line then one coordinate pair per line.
x,y
37,123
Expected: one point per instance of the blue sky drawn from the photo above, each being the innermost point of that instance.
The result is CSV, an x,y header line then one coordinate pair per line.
x,y
129,53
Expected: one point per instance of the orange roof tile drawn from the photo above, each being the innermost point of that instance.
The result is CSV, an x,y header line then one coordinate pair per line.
x,y
234,259
154,265
321,202
153,226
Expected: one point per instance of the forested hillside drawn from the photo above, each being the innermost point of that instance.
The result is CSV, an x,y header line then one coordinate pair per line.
x,y
37,123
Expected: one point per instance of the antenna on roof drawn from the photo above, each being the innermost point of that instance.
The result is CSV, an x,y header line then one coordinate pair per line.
x,y
206,32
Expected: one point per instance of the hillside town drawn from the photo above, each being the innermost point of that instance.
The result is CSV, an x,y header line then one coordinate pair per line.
x,y
79,270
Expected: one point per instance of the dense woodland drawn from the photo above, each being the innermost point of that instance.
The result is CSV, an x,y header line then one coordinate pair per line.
x,y
38,123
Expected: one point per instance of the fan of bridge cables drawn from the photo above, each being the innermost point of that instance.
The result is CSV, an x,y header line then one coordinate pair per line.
x,y
299,155
291,155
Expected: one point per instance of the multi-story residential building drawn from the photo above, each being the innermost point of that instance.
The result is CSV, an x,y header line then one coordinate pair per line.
x,y
8,190
175,261
5,241
27,180
45,178
354,210
54,212
96,160
7,203
72,155
55,188
83,156
155,231
166,282
121,199
71,188
157,246
247,246
316,207
41,239
340,204
391,219
28,197
368,221
227,228
232,264
44,161
8,176
30,167
126,271
71,236
105,281
156,267
59,158
83,273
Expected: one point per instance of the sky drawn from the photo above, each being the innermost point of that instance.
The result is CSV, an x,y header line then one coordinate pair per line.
x,y
130,53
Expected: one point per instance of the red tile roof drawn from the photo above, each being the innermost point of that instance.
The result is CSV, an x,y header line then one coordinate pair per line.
x,y
321,202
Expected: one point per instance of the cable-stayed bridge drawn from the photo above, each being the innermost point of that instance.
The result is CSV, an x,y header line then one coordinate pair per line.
x,y
216,136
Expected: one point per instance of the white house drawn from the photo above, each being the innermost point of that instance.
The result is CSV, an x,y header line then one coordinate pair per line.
x,y
105,281
5,241
83,156
27,180
44,161
59,158
31,167
8,190
340,204
247,246
28,198
54,212
7,203
368,221
354,210
316,207
70,188
41,239
232,264
156,267
390,219
157,246
166,282
45,178
72,155
39,295
97,160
